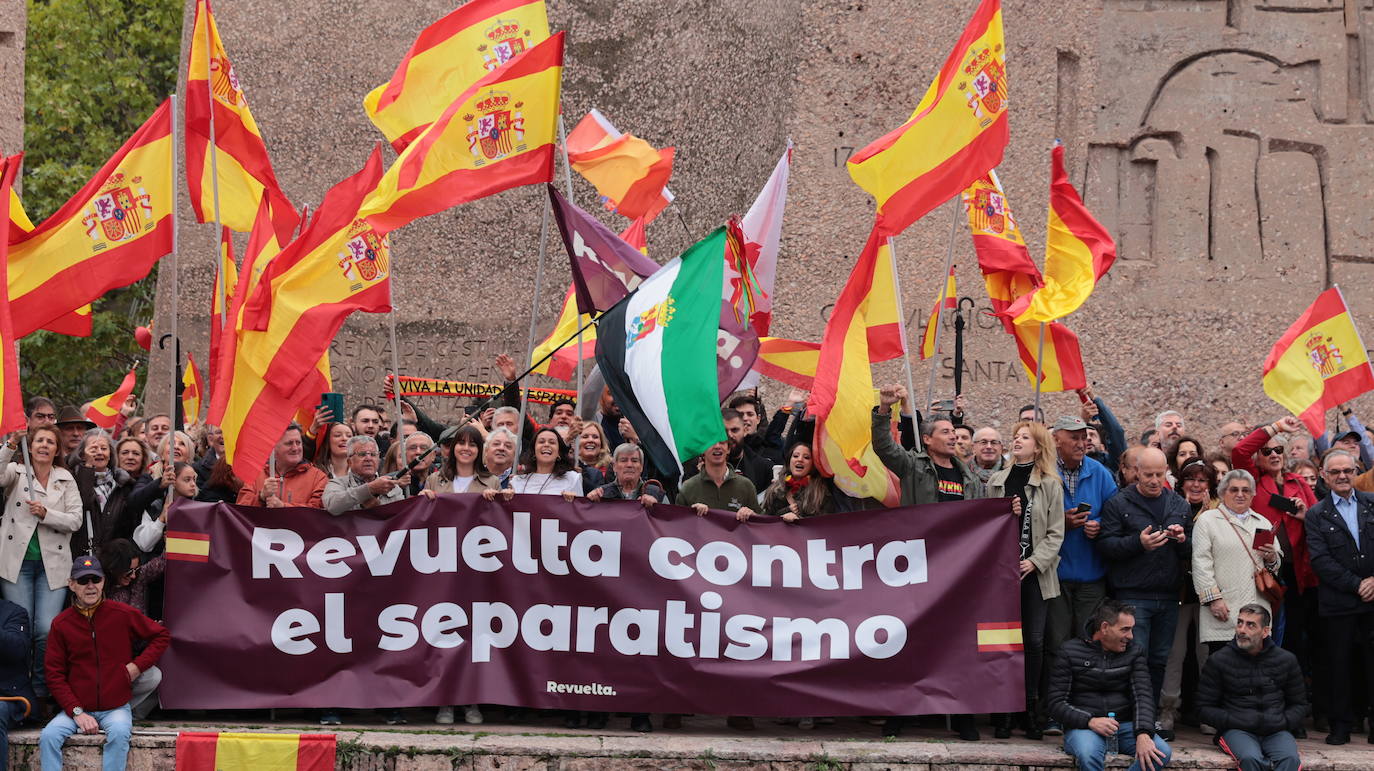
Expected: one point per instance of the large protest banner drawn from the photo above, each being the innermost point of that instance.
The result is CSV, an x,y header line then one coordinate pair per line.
x,y
544,603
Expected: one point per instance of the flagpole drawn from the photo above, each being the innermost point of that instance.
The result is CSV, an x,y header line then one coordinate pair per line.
x,y
397,429
1039,370
175,293
940,308
214,174
567,171
534,318
901,316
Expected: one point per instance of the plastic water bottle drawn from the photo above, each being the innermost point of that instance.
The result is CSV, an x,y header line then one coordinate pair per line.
x,y
1112,746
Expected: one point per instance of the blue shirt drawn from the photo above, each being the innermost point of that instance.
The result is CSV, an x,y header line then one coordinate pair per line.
x,y
1349,510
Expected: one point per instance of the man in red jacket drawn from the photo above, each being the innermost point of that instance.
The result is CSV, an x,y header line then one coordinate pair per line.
x,y
91,667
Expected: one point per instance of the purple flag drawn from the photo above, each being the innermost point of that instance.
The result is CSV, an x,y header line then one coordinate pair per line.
x,y
604,267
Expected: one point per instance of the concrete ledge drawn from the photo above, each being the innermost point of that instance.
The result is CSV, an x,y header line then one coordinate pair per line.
x,y
702,744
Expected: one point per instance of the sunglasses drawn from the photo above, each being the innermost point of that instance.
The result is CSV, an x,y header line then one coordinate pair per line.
x,y
1271,450
1338,472
88,580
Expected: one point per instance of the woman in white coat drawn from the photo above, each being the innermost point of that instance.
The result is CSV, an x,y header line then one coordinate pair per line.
x,y
1225,558
35,534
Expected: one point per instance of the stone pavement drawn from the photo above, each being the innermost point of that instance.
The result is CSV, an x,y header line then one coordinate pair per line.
x,y
366,743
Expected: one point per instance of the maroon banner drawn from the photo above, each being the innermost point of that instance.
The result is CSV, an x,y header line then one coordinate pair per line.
x,y
594,606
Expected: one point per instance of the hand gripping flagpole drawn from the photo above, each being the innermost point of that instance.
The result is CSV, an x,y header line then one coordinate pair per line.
x,y
214,174
940,308
567,171
901,317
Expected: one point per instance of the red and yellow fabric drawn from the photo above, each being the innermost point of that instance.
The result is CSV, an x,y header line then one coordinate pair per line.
x,y
108,235
1319,362
956,134
241,164
18,219
76,323
1000,636
1062,365
498,134
187,547
844,426
1005,262
201,751
1078,253
563,364
449,56
12,416
104,411
628,173
635,236
788,361
226,281
339,264
192,391
948,299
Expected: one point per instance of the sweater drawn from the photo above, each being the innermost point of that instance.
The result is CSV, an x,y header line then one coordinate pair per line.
x,y
86,656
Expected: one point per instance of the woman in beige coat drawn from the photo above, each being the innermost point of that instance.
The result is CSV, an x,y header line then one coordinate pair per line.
x,y
1033,477
35,535
1225,559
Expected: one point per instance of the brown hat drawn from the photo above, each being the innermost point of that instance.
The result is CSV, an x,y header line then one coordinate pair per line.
x,y
73,415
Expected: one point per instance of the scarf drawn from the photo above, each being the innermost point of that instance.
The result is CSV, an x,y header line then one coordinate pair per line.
x,y
104,485
794,484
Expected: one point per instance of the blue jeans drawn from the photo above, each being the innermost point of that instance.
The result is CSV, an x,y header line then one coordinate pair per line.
x,y
30,591
1155,624
1260,753
1090,750
117,724
10,714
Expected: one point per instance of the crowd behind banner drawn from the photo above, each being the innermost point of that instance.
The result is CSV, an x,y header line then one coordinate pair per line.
x,y
1186,534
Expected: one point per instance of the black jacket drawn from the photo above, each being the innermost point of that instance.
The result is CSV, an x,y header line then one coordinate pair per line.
x,y
1262,694
1132,571
1339,565
15,644
102,520
1088,681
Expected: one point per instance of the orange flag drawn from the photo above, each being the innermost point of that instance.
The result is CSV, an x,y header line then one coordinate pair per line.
x,y
449,56
241,165
949,299
11,398
104,411
107,236
627,171
956,134
192,392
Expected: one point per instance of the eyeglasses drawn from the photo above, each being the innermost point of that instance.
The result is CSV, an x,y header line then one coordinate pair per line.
x,y
1271,450
1233,435
1340,472
364,454
88,580
1239,491
131,573
988,441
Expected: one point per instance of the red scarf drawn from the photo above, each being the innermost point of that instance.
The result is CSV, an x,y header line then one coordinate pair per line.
x,y
794,485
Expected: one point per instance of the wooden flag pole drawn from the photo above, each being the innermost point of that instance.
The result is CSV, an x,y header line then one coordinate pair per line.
x,y
534,318
901,326
567,171
214,175
940,308
1039,371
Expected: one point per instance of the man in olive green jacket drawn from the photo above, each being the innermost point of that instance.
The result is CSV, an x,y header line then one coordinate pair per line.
x,y
933,474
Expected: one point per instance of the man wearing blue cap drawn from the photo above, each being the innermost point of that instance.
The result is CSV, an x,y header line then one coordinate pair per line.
x,y
95,698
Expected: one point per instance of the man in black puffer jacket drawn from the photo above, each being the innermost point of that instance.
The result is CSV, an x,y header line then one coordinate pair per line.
x,y
1100,687
1252,691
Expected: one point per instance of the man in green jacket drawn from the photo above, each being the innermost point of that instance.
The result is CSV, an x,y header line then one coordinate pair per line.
x,y
931,475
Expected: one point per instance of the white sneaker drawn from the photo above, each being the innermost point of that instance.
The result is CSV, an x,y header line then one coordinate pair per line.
x,y
472,715
445,716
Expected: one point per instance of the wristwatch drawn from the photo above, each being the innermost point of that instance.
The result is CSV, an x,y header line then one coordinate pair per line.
x,y
78,712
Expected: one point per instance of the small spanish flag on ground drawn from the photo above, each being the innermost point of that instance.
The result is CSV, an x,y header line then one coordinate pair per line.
x,y
992,637
197,751
189,547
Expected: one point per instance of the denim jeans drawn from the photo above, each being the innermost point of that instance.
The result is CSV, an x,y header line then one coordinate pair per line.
x,y
1090,750
1155,622
1277,751
116,723
11,712
30,591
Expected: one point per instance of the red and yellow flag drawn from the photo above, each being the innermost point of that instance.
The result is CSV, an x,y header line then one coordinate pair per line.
x,y
449,56
788,361
192,391
18,219
106,236
628,173
78,322
226,281
844,431
241,164
1078,253
948,299
956,134
12,416
104,411
634,236
563,364
201,751
1061,367
1319,362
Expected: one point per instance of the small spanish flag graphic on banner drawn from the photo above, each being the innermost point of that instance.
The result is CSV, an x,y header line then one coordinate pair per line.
x,y
993,637
198,751
195,547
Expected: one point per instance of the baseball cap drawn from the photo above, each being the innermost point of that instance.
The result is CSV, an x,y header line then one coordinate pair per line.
x,y
1069,423
86,566
1349,435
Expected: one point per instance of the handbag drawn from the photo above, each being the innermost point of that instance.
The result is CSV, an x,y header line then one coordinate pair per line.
x,y
1268,587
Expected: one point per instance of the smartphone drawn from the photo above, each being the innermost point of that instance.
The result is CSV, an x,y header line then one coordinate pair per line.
x,y
335,404
944,405
1165,533
1282,504
1263,538
1084,508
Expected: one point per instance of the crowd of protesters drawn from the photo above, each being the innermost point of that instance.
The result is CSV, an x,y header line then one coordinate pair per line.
x,y
1223,582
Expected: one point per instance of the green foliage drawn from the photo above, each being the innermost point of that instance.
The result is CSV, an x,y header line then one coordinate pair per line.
x,y
94,71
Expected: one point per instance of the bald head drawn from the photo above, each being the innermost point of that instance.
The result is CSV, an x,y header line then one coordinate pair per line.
x,y
1151,469
987,446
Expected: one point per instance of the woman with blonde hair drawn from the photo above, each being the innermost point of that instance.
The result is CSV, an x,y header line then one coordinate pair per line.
x,y
1033,479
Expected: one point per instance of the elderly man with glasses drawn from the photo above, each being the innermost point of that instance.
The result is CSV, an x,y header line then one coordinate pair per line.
x,y
361,487
987,453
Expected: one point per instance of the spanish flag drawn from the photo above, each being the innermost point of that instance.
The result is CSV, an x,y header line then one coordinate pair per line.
x,y
1062,366
628,173
200,751
76,323
1078,253
1319,362
844,425
498,134
448,57
788,361
1000,636
188,547
192,391
956,134
18,219
226,281
104,411
12,416
949,298
241,164
107,236
563,364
